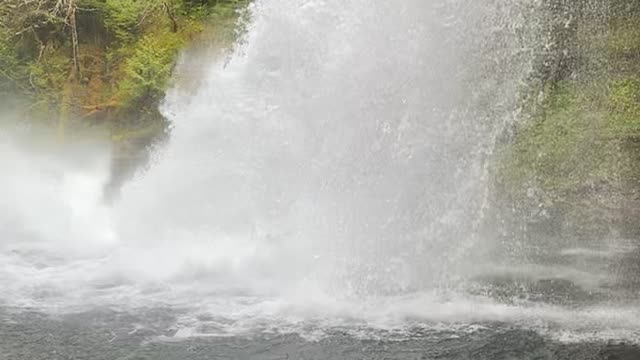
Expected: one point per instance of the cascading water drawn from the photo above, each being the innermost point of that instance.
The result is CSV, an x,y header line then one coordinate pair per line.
x,y
341,144
333,167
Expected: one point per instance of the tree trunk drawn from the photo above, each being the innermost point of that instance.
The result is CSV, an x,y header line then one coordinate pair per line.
x,y
71,19
174,23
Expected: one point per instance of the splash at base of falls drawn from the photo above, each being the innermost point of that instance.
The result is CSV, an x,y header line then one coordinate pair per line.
x,y
207,295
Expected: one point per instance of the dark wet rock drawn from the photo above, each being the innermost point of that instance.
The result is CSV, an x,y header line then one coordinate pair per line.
x,y
627,272
510,289
559,291
620,352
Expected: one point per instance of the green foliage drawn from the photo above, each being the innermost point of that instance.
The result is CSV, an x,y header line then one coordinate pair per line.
x,y
148,70
624,39
46,79
625,107
122,18
11,74
126,53
571,147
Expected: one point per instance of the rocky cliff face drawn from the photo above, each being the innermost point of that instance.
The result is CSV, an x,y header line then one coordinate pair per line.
x,y
572,165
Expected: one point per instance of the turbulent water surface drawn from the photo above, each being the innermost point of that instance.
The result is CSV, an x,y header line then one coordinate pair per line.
x,y
324,194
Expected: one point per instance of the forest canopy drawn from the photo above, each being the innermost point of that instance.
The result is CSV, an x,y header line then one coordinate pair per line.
x,y
97,61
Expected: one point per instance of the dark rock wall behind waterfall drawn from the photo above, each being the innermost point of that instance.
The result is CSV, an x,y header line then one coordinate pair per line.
x,y
571,166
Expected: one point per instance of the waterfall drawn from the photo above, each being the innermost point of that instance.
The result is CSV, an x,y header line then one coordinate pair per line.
x,y
333,165
340,144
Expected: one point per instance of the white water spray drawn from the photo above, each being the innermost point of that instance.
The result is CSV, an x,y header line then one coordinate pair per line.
x,y
342,144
